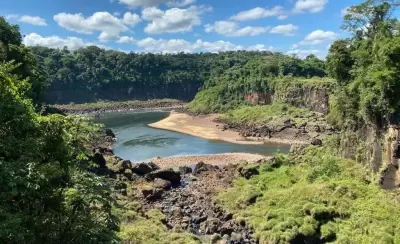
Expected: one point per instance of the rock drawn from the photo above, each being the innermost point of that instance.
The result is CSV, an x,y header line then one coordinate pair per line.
x,y
141,169
316,142
236,237
153,166
99,159
201,167
109,132
152,194
215,238
165,174
185,170
162,184
248,171
210,226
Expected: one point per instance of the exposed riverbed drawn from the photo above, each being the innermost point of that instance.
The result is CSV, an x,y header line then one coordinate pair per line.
x,y
138,142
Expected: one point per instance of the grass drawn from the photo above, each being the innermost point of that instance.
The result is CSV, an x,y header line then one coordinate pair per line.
x,y
266,114
315,196
150,229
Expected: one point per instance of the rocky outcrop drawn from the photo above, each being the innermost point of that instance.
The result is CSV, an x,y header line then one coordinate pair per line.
x,y
315,98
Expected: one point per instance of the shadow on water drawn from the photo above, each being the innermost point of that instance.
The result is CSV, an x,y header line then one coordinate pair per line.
x,y
151,141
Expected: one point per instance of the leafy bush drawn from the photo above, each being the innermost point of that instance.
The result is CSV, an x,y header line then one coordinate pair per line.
x,y
316,195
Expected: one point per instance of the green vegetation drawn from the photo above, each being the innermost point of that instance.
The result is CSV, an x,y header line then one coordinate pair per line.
x,y
119,105
366,66
264,74
149,229
262,115
315,195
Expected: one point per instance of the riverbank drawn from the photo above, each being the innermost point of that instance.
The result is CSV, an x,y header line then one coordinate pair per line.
x,y
205,126
100,107
222,159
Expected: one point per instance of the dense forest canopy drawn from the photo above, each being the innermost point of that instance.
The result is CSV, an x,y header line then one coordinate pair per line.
x,y
93,73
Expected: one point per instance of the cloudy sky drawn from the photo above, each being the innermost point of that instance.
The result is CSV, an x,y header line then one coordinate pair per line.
x,y
290,26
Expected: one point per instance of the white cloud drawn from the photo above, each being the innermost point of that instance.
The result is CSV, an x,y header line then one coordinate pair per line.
x,y
304,53
173,20
259,13
104,22
317,37
131,19
286,30
180,45
310,6
72,43
181,3
230,28
152,13
260,47
126,40
143,3
27,19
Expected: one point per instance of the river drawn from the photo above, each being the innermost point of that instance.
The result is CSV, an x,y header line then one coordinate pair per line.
x,y
138,142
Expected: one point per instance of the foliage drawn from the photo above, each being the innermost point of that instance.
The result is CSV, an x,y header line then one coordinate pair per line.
x,y
11,49
262,115
315,196
149,229
227,89
47,194
366,66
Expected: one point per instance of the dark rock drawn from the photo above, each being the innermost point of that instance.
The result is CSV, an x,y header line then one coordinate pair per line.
x,y
152,194
165,174
316,142
185,170
153,166
109,132
99,159
210,226
201,167
248,171
163,184
141,169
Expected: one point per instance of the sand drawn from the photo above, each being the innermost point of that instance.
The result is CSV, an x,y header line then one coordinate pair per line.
x,y
214,159
200,126
204,126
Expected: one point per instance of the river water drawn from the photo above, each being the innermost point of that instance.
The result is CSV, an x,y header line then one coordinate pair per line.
x,y
138,142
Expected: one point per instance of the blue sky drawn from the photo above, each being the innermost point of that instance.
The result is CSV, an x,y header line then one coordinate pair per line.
x,y
289,26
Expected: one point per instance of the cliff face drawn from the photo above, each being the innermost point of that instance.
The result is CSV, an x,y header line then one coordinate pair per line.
x,y
313,98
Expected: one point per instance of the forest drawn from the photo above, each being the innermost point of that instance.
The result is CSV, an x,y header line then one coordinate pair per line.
x,y
51,192
91,74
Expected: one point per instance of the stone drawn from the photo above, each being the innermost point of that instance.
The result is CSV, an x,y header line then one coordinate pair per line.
x,y
153,166
141,169
316,142
165,174
236,237
162,184
152,194
109,132
210,226
248,171
99,159
185,170
201,167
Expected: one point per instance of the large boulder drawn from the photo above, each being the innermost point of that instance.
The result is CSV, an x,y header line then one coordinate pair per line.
x,y
162,184
142,169
165,174
99,159
110,133
201,167
248,171
316,142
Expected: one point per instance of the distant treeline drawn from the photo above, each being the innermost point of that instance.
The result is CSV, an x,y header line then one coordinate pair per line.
x,y
92,74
